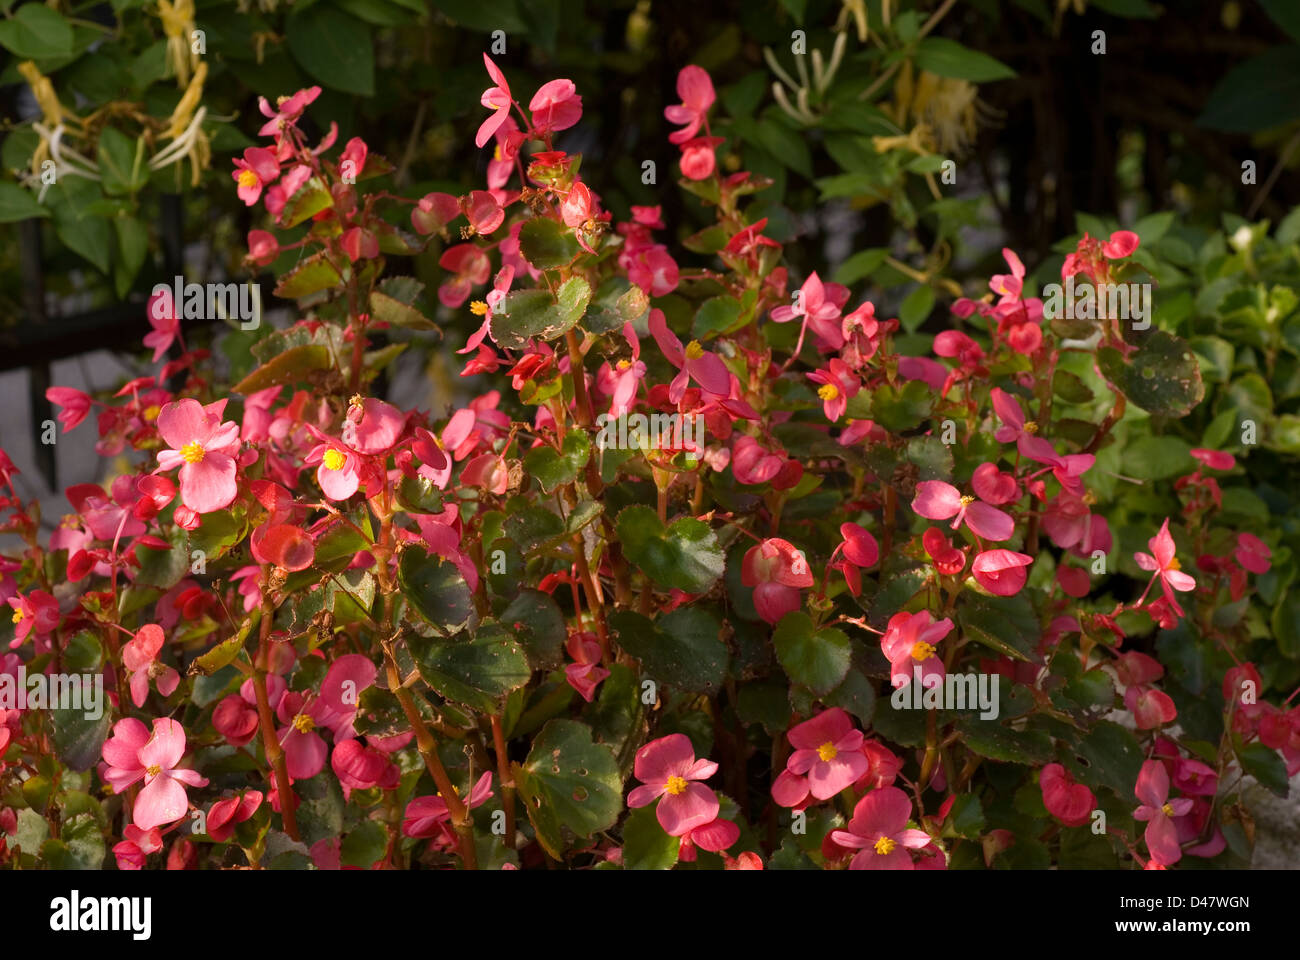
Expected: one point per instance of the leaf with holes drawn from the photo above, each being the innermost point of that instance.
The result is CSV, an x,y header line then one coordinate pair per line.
x,y
568,783
528,314
477,672
1162,377
538,626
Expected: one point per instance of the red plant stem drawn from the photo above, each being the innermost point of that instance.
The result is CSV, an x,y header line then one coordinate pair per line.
x,y
506,777
266,720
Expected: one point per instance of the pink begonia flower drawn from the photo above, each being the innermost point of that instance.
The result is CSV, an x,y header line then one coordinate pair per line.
x,y
164,317
815,302
286,111
714,837
698,160
1214,459
489,472
482,211
283,545
253,172
428,816
488,306
696,90
1158,811
204,448
555,106
667,768
1070,524
909,642
140,657
305,750
860,550
497,99
433,212
752,463
38,613
76,405
133,754
280,192
879,832
363,767
136,846
937,500
883,767
375,426
1165,566
338,473
352,161
827,758
1188,774
341,690
1001,572
1120,245
1067,469
839,385
359,244
469,266
1071,803
1253,553
776,569
579,205
993,486
930,372
1008,410
585,674
1150,707
263,247
692,362
227,813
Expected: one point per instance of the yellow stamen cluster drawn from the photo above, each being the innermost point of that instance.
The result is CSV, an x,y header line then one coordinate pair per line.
x,y
827,751
17,617
1174,564
478,308
694,351
967,500
1167,809
885,845
828,391
1030,427
248,179
922,650
151,412
154,770
334,459
675,786
303,723
192,452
